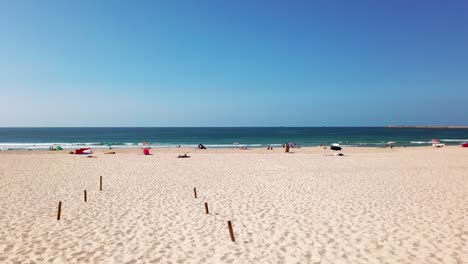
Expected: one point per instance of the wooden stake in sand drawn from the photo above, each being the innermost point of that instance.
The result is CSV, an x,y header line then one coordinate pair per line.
x,y
85,196
231,233
206,208
59,210
195,192
100,183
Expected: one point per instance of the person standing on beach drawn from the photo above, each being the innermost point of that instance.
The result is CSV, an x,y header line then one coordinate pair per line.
x,y
286,148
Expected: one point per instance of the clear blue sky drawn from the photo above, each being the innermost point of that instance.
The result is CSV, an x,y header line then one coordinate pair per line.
x,y
233,63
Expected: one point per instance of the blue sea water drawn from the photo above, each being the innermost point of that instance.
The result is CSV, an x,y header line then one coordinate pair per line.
x,y
42,138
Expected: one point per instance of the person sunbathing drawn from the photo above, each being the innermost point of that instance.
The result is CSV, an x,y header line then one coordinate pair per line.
x,y
183,156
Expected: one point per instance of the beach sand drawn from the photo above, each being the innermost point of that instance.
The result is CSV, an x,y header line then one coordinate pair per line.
x,y
400,205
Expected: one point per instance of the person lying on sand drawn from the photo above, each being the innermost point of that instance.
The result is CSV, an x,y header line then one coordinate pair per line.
x,y
91,157
183,156
336,155
111,152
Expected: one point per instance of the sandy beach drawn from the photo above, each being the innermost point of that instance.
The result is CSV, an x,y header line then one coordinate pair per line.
x,y
375,205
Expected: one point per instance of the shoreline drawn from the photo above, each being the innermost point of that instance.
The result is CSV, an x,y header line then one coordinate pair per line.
x,y
5,147
315,149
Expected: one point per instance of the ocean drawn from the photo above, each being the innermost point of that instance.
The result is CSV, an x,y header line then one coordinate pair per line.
x,y
217,137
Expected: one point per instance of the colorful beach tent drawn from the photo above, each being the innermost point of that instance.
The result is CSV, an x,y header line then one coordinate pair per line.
x,y
83,151
58,148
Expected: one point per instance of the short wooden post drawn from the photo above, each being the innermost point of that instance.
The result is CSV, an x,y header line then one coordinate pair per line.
x,y
195,192
100,183
59,212
231,233
206,208
85,197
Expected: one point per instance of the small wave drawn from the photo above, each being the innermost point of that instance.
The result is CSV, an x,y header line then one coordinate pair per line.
x,y
371,143
454,140
274,145
420,142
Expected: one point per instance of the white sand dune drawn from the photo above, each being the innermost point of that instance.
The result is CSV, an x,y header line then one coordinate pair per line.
x,y
405,205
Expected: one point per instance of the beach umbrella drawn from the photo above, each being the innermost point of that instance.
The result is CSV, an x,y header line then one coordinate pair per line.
x,y
391,143
435,141
335,146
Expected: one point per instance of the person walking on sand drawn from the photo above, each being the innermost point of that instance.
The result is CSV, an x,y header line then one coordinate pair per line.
x,y
286,148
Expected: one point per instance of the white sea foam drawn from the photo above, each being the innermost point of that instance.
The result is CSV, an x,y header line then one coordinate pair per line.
x,y
371,143
454,140
420,142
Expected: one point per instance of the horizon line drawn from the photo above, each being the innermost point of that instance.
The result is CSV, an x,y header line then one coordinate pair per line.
x,y
386,126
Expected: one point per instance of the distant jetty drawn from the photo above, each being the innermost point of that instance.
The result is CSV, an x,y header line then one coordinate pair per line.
x,y
429,127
